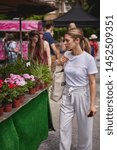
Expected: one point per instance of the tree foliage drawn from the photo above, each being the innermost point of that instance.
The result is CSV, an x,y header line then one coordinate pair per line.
x,y
92,6
3,17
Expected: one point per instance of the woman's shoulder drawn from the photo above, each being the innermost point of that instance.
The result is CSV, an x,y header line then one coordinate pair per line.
x,y
46,45
13,44
88,56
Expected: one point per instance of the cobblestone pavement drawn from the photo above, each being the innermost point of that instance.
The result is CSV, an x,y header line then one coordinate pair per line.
x,y
52,143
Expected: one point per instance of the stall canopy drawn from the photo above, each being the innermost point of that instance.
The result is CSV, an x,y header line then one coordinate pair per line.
x,y
13,25
25,7
79,16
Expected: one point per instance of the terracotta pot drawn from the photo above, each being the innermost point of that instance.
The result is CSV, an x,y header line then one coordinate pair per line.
x,y
37,87
1,111
41,86
22,98
45,85
32,91
16,103
8,107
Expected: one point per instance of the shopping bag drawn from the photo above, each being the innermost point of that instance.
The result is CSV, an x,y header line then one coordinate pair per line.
x,y
58,84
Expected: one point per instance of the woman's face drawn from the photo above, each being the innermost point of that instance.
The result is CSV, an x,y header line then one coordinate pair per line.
x,y
34,40
69,42
41,35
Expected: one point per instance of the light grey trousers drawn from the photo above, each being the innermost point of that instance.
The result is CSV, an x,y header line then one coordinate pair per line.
x,y
75,101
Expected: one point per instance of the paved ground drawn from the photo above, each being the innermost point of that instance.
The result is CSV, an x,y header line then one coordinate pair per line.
x,y
52,143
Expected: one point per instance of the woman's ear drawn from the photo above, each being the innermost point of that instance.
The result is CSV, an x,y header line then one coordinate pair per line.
x,y
77,40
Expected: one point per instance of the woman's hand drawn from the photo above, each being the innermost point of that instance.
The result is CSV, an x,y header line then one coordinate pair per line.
x,y
63,59
16,50
92,111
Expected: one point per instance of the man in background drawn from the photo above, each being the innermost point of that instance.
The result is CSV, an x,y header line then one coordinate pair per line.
x,y
48,36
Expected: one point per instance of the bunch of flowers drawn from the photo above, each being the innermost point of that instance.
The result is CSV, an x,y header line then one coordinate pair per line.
x,y
7,91
12,87
22,86
30,79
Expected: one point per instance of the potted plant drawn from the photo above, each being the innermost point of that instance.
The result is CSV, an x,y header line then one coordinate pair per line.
x,y
30,79
42,73
9,92
19,90
22,91
46,76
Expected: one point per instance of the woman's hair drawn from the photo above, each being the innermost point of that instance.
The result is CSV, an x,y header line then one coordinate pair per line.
x,y
10,37
78,33
72,26
49,24
37,53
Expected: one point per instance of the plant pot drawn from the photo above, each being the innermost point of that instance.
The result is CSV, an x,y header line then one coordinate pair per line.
x,y
16,103
45,85
37,88
1,111
32,91
22,98
8,107
41,86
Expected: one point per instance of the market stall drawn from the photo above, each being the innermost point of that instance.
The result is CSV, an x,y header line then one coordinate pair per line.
x,y
28,126
13,26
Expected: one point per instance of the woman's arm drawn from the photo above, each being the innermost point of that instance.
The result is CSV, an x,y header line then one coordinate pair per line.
x,y
92,85
47,49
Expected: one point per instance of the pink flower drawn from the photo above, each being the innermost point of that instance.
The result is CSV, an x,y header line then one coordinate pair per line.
x,y
27,76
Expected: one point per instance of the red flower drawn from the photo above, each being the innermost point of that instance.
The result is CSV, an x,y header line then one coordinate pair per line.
x,y
0,85
11,86
1,81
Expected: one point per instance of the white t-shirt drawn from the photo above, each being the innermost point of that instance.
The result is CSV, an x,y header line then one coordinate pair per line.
x,y
78,68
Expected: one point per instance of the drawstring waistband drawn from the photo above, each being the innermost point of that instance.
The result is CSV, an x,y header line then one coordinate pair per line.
x,y
72,89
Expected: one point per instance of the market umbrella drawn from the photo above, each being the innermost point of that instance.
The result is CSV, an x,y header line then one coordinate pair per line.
x,y
25,8
79,16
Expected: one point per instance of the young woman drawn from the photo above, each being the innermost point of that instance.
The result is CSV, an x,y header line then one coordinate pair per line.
x,y
79,93
11,48
39,49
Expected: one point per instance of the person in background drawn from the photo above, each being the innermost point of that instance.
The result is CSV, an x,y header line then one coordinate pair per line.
x,y
48,36
11,48
71,26
79,93
94,45
39,49
5,37
62,46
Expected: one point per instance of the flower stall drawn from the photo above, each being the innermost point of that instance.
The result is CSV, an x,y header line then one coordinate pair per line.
x,y
23,113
